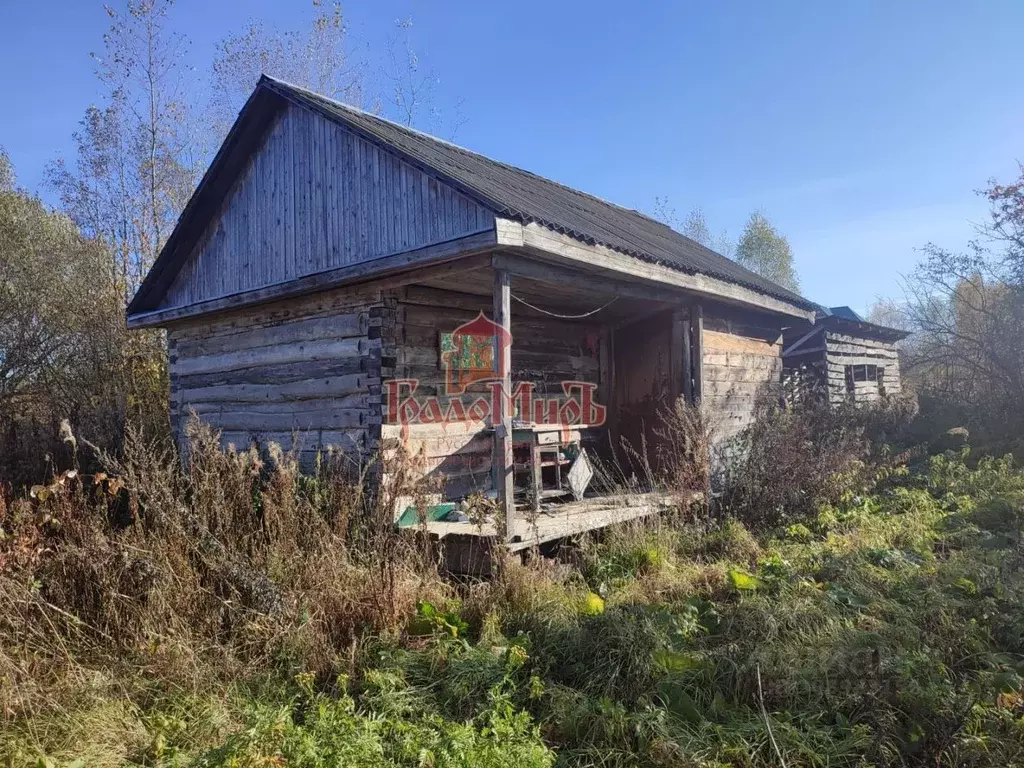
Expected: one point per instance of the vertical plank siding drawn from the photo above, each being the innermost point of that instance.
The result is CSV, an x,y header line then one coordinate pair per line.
x,y
319,197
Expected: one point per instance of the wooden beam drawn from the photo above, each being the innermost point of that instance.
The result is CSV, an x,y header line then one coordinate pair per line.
x,y
640,316
612,398
554,274
676,356
503,467
801,340
548,244
697,331
411,263
687,363
605,365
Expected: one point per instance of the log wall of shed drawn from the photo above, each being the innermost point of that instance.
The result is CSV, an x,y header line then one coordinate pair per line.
x,y
318,197
545,351
306,371
842,350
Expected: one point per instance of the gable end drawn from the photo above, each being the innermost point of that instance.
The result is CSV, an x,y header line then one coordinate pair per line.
x,y
314,197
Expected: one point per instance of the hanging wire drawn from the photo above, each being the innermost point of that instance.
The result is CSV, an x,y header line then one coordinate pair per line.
x,y
563,317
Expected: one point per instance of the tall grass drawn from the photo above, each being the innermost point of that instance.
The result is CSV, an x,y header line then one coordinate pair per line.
x,y
236,612
152,577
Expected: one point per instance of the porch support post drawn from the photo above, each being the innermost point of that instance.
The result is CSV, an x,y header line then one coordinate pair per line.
x,y
697,329
677,357
502,419
687,362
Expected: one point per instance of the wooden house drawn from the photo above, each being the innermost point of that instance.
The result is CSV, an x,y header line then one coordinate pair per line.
x,y
842,357
325,280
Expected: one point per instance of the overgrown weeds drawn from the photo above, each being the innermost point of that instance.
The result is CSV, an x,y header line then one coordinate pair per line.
x,y
791,460
196,576
235,613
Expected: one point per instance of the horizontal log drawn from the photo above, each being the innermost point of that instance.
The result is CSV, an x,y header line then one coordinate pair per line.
x,y
328,303
736,388
290,353
346,440
359,402
844,337
443,446
310,329
741,360
277,393
717,373
736,322
423,431
253,420
450,465
846,351
285,373
842,362
724,342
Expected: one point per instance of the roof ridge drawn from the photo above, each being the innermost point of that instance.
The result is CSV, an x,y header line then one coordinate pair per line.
x,y
481,155
526,196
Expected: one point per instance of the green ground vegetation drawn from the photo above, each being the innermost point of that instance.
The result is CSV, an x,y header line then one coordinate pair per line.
x,y
179,628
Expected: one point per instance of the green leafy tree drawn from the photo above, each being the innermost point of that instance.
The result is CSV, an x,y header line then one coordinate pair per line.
x,y
763,250
62,334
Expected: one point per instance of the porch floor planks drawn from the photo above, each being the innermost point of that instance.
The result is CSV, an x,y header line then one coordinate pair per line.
x,y
558,521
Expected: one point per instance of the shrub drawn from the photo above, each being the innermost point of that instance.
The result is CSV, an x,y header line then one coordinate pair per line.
x,y
792,460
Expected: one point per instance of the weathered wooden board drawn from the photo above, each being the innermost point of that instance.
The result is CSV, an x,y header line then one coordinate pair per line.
x,y
312,366
318,197
742,362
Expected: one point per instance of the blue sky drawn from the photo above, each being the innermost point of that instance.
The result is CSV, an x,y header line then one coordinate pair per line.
x,y
861,129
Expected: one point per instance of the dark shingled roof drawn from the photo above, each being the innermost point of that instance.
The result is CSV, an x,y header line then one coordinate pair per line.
x,y
520,195
844,320
507,191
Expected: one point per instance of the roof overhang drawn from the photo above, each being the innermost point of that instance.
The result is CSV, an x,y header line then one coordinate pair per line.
x,y
862,328
545,243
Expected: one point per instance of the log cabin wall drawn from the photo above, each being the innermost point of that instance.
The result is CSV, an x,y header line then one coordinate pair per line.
x,y
317,197
311,366
545,350
859,369
742,360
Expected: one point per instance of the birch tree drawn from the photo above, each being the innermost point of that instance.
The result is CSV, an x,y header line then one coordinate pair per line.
x,y
763,250
694,226
320,56
136,159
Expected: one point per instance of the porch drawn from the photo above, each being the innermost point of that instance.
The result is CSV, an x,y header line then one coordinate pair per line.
x,y
633,348
467,548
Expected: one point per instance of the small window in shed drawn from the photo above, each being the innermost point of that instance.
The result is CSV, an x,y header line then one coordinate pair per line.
x,y
864,372
857,378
